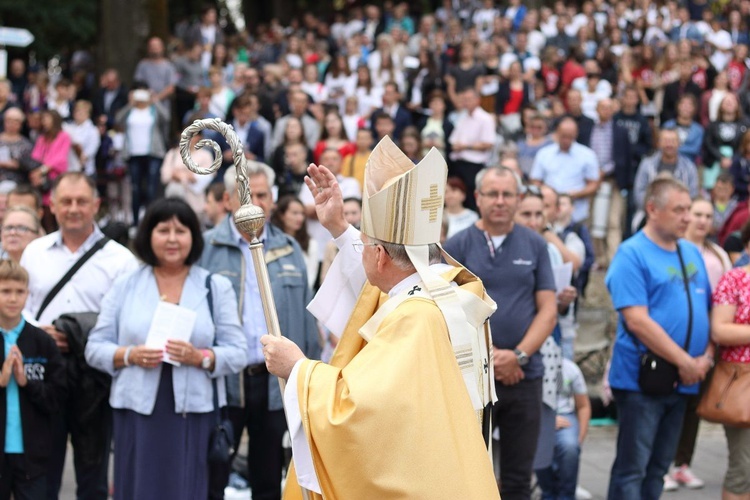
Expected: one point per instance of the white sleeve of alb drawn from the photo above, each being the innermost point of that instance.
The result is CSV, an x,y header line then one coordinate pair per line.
x,y
303,463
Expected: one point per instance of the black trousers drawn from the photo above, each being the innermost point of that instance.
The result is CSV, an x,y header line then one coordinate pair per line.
x,y
91,473
518,416
467,172
265,455
14,479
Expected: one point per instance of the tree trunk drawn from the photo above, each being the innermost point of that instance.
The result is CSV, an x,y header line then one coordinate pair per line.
x,y
125,25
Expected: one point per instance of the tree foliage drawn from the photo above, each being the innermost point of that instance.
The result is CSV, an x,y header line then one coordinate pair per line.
x,y
56,24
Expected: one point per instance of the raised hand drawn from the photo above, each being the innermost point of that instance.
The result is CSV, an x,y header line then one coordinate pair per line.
x,y
329,202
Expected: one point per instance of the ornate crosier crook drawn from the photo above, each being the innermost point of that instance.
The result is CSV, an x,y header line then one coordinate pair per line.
x,y
249,218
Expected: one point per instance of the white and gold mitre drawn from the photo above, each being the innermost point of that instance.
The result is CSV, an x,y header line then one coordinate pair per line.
x,y
402,203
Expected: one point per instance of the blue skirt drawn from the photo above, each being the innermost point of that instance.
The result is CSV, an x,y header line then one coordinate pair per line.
x,y
164,455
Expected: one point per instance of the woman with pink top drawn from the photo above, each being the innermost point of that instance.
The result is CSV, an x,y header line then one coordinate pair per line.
x,y
51,150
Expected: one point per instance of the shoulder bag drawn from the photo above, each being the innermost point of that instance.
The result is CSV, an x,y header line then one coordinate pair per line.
x,y
727,397
221,440
656,375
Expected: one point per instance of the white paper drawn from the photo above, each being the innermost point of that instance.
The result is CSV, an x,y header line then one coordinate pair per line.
x,y
4,153
170,322
563,274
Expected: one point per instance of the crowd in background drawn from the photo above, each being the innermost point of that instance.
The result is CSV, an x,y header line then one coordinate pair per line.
x,y
587,104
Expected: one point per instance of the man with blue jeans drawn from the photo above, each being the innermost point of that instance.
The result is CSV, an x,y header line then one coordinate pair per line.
x,y
648,290
559,481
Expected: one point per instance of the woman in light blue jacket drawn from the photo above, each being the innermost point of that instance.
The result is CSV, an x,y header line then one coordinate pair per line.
x,y
163,414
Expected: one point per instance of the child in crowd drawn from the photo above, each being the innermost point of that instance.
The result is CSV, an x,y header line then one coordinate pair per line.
x,y
32,389
458,217
354,164
572,424
215,209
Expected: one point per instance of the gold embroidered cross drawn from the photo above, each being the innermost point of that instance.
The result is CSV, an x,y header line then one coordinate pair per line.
x,y
432,203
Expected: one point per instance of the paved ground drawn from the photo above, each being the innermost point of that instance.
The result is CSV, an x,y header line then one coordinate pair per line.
x,y
598,453
597,321
709,463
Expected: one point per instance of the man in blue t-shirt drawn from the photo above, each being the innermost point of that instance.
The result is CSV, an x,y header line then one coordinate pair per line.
x,y
514,266
646,281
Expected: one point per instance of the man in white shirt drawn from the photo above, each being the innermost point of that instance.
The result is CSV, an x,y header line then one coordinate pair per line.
x,y
74,202
472,141
721,41
568,167
84,136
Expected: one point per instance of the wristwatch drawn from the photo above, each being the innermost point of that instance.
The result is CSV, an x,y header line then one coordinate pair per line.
x,y
521,357
206,361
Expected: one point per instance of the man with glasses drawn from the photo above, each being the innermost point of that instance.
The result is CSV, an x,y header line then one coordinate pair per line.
x,y
396,412
513,263
75,202
253,397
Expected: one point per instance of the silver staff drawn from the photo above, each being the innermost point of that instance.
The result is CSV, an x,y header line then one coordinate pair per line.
x,y
249,218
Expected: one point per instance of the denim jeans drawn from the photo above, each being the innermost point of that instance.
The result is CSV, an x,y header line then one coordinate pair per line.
x,y
143,169
646,443
558,482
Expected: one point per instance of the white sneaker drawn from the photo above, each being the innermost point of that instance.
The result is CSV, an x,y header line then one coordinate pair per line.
x,y
583,494
669,483
685,476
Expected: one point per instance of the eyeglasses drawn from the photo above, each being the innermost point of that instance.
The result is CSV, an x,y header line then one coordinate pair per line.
x,y
359,246
495,195
17,229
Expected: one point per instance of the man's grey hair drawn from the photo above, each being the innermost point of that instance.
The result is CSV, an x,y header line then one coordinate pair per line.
x,y
253,168
401,259
501,171
659,189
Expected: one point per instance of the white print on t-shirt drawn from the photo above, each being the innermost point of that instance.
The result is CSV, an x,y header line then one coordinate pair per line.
x,y
521,262
34,371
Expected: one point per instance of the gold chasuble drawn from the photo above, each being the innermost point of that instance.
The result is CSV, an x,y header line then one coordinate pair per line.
x,y
391,418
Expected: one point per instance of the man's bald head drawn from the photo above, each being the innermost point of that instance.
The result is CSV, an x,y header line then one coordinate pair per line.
x,y
567,133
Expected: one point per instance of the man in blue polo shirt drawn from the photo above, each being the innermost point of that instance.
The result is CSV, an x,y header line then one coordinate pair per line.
x,y
568,167
648,290
514,266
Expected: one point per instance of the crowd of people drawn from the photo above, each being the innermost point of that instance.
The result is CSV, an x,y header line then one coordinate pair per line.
x,y
605,137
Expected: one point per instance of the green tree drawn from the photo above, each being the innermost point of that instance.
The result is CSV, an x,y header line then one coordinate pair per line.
x,y
56,24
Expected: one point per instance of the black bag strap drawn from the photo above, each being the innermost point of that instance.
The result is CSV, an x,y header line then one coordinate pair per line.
x,y
686,281
210,298
64,280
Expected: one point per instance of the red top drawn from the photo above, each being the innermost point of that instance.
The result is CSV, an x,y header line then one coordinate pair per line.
x,y
644,74
734,290
514,102
570,71
551,77
345,150
736,73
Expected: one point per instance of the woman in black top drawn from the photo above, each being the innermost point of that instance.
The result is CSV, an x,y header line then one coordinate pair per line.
x,y
722,139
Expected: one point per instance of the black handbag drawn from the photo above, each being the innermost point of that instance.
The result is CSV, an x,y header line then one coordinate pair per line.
x,y
656,375
221,440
